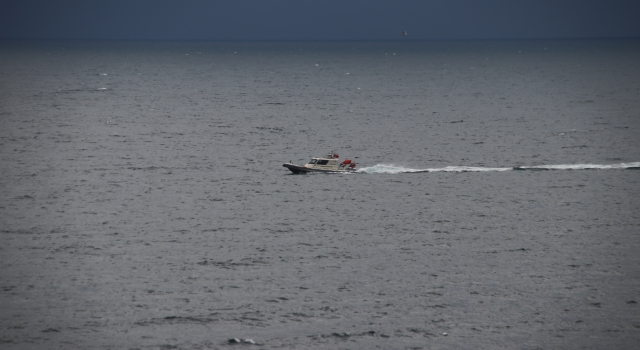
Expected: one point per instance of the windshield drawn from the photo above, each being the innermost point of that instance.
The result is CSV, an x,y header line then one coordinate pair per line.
x,y
312,161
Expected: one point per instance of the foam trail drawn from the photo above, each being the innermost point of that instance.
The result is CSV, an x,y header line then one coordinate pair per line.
x,y
394,169
634,165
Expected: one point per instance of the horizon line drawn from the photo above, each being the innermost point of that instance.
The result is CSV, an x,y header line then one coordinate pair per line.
x,y
319,40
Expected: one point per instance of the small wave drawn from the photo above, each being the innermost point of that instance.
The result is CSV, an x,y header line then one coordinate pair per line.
x,y
394,169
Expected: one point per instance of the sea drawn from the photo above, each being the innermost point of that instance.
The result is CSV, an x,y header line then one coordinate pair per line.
x,y
144,205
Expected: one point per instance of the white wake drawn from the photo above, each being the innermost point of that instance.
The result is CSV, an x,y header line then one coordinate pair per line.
x,y
395,169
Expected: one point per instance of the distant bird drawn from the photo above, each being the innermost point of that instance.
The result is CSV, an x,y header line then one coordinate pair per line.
x,y
404,33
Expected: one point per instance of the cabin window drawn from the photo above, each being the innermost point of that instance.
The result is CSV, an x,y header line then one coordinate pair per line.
x,y
323,162
312,161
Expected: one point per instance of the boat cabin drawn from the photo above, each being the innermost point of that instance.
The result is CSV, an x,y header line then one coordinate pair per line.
x,y
323,163
330,162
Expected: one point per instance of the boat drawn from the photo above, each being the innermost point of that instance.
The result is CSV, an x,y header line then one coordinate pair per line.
x,y
326,164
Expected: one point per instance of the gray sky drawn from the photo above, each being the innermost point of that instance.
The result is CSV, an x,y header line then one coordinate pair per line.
x,y
318,20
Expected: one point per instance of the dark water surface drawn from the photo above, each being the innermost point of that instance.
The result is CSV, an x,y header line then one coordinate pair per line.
x,y
143,202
